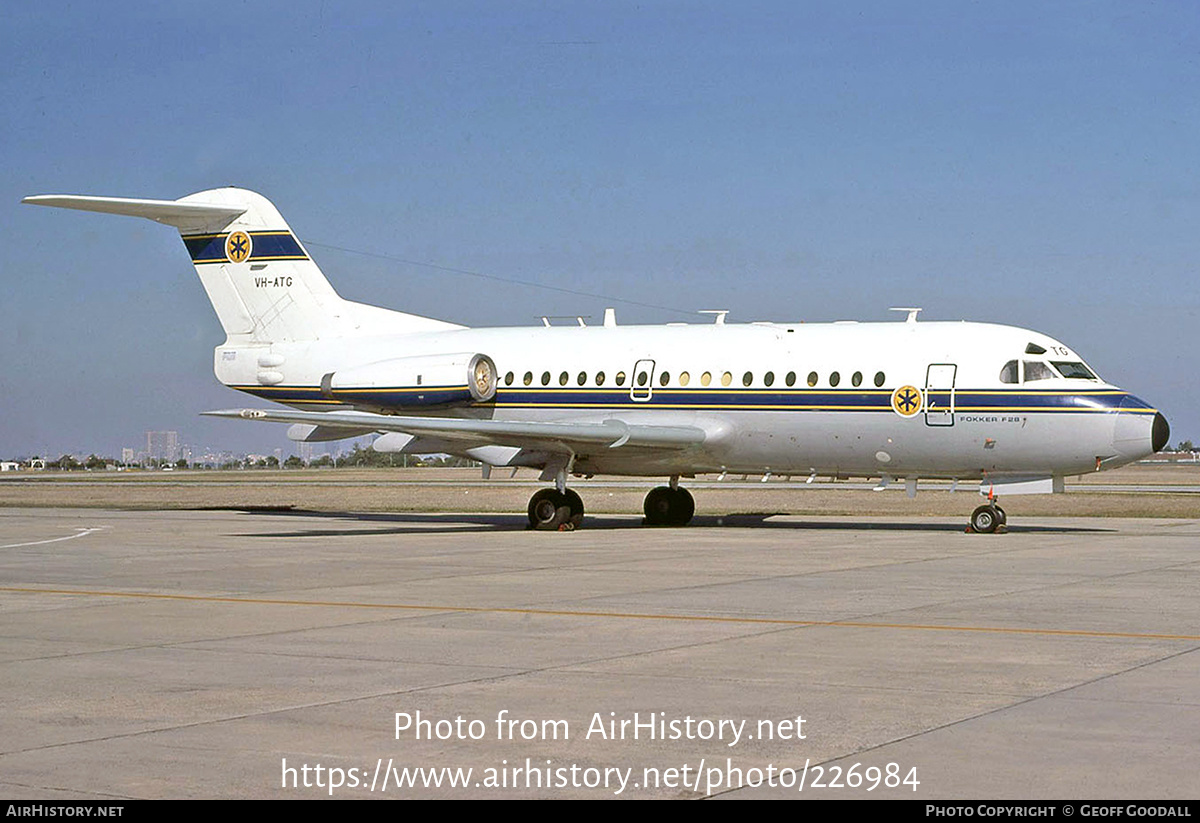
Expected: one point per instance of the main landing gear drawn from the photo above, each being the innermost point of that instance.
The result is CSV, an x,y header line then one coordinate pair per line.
x,y
987,519
554,510
668,506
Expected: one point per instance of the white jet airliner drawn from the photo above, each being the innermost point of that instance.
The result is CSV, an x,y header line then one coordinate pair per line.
x,y
1012,408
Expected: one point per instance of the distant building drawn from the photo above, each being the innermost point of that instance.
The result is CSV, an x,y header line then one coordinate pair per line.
x,y
162,446
128,456
9,467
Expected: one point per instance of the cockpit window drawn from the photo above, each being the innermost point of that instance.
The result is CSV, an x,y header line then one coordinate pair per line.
x,y
1073,370
1037,370
1008,374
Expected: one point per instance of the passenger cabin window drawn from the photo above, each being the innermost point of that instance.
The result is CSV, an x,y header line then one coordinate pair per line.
x,y
620,378
563,378
508,379
747,378
726,379
790,379
812,378
1009,374
879,378
856,378
705,378
1037,370
684,378
528,378
582,378
769,378
545,378
664,378
1073,370
599,378
834,378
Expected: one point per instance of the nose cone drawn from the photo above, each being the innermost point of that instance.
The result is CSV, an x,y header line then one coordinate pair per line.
x,y
1160,432
1139,431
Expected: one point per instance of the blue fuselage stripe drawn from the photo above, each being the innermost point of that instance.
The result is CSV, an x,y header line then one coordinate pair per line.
x,y
760,399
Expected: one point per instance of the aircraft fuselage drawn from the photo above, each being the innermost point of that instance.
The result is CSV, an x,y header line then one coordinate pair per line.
x,y
901,399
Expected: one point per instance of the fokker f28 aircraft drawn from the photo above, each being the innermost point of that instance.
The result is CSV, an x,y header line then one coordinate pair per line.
x,y
1012,408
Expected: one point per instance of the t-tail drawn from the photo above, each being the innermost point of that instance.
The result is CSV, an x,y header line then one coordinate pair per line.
x,y
259,277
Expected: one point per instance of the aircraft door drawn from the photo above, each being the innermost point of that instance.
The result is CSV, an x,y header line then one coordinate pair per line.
x,y
939,394
641,382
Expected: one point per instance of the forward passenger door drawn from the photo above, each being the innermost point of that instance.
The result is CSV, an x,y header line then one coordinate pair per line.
x,y
939,394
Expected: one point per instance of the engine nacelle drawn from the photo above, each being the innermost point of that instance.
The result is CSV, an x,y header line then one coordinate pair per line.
x,y
428,380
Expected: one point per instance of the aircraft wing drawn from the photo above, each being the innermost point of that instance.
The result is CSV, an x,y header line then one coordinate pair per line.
x,y
478,432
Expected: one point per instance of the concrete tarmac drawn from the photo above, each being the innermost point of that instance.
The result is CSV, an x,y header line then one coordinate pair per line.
x,y
222,654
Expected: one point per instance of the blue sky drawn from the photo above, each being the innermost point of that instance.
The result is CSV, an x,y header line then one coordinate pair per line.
x,y
1034,164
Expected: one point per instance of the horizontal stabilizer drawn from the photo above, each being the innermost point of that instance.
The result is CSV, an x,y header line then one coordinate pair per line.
x,y
610,433
183,216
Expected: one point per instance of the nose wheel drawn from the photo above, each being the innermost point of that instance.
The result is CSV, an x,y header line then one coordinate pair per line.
x,y
988,519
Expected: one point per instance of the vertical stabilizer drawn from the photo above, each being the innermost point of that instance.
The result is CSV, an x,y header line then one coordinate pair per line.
x,y
257,274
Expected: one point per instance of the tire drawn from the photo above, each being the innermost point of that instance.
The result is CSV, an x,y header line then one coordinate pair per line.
x,y
1003,516
575,504
548,510
658,506
665,506
985,519
684,507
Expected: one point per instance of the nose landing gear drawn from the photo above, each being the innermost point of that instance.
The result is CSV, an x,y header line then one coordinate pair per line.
x,y
988,519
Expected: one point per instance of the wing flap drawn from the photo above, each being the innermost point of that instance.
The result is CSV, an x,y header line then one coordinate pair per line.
x,y
1004,484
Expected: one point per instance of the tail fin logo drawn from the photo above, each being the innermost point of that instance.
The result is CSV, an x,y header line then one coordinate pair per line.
x,y
237,247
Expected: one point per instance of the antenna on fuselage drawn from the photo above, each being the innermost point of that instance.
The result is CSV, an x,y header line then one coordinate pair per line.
x,y
719,314
912,313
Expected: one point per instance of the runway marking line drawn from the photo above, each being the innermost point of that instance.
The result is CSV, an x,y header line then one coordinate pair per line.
x,y
694,618
79,532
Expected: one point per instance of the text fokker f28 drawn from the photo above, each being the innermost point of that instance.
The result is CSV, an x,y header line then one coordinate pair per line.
x,y
1012,408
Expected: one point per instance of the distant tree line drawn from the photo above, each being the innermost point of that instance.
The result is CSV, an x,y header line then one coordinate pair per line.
x,y
360,457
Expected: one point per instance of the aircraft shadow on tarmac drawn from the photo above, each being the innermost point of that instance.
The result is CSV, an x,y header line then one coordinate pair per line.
x,y
419,523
